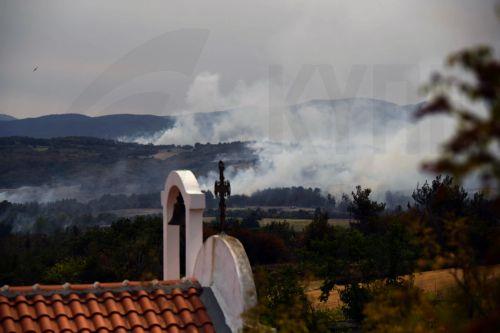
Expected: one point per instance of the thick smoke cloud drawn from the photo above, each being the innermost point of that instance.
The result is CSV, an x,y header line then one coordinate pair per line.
x,y
333,145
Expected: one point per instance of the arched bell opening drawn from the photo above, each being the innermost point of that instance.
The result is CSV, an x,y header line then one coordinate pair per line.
x,y
179,219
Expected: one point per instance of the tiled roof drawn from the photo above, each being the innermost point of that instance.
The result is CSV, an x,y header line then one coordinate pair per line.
x,y
157,306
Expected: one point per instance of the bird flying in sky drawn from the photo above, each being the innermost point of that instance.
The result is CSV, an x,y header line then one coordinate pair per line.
x,y
34,69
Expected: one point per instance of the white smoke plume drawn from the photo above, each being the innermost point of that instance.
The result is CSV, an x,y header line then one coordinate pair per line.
x,y
333,145
41,194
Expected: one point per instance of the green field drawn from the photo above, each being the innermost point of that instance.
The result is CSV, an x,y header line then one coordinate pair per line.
x,y
300,224
297,224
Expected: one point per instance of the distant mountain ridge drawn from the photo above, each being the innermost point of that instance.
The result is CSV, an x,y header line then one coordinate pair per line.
x,y
361,109
6,117
105,127
135,125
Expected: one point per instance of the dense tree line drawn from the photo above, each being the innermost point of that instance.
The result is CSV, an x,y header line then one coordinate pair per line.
x,y
126,249
70,212
285,196
58,215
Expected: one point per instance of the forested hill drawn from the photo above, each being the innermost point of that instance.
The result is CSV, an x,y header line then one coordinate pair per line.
x,y
131,126
100,166
6,117
107,127
51,216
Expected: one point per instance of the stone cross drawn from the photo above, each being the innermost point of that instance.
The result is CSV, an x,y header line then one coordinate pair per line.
x,y
222,190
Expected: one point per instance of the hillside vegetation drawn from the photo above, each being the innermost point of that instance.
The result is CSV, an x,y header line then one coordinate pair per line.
x,y
106,127
101,166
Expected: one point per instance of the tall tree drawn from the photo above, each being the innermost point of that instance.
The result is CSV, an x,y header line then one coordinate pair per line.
x,y
474,147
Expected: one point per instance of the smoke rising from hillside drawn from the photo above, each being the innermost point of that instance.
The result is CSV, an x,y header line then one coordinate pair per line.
x,y
320,164
42,194
331,145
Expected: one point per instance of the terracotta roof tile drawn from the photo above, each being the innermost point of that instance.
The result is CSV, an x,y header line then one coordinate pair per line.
x,y
162,306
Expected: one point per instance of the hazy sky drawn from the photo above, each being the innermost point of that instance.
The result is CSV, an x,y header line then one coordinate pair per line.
x,y
74,44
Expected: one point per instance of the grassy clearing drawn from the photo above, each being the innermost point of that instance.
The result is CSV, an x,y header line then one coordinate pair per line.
x,y
297,224
300,224
134,212
430,281
162,155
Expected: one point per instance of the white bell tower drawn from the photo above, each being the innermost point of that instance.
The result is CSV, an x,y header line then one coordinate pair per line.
x,y
181,182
